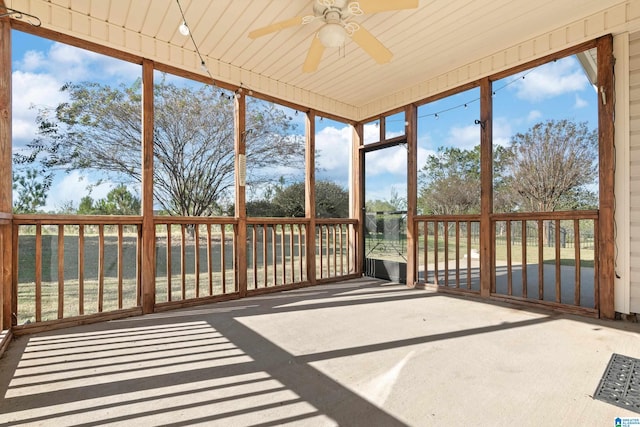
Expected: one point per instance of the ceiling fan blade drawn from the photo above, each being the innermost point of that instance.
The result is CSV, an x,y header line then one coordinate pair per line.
x,y
313,56
372,46
374,6
298,20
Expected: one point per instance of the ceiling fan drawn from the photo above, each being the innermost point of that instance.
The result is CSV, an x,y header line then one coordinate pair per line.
x,y
336,16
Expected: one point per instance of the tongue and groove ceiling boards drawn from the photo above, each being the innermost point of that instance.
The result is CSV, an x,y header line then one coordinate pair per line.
x,y
438,45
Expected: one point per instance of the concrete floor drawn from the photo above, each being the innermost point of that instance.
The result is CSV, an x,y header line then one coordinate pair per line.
x,y
362,352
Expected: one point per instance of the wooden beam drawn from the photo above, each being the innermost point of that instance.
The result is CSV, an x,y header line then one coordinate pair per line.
x,y
6,202
606,229
357,194
411,115
310,195
148,226
240,186
486,188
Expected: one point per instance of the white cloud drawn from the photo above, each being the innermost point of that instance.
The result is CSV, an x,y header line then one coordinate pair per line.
x,y
39,75
550,80
31,61
501,131
533,115
333,146
388,161
371,133
425,139
465,137
423,154
31,91
580,103
72,187
69,63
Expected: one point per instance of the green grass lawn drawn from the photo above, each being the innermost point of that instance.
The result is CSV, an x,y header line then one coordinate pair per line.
x,y
396,251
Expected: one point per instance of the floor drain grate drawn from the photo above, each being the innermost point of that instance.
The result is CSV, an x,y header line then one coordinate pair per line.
x,y
620,384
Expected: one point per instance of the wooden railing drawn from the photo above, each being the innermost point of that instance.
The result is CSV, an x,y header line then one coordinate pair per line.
x,y
195,257
276,252
66,268
549,257
69,266
336,248
448,251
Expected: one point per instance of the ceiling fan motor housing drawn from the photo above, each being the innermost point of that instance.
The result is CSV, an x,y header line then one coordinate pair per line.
x,y
333,33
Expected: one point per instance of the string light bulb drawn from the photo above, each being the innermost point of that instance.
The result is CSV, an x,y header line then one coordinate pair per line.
x,y
184,29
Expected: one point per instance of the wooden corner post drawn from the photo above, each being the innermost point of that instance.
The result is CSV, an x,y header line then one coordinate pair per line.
x,y
6,202
148,227
606,227
357,194
487,234
412,192
240,186
310,195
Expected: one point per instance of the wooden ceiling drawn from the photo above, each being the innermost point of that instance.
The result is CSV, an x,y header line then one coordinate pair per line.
x,y
439,45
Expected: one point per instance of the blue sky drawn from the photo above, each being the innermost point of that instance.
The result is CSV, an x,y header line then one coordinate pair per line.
x,y
555,90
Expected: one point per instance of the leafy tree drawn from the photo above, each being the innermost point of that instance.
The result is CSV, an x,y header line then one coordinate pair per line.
x,y
553,163
100,129
289,201
377,205
450,182
86,206
579,198
332,201
119,201
262,208
32,188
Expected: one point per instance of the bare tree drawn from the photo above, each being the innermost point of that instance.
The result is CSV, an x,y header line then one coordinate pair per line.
x,y
100,129
551,161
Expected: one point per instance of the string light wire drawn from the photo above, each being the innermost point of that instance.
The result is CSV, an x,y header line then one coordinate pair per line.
x,y
467,103
184,28
203,64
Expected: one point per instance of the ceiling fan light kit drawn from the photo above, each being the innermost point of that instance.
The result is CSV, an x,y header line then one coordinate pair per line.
x,y
336,16
332,35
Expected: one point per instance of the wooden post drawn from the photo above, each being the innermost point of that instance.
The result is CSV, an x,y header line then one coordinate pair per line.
x,y
310,195
240,185
357,194
6,202
148,227
606,228
411,115
486,188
